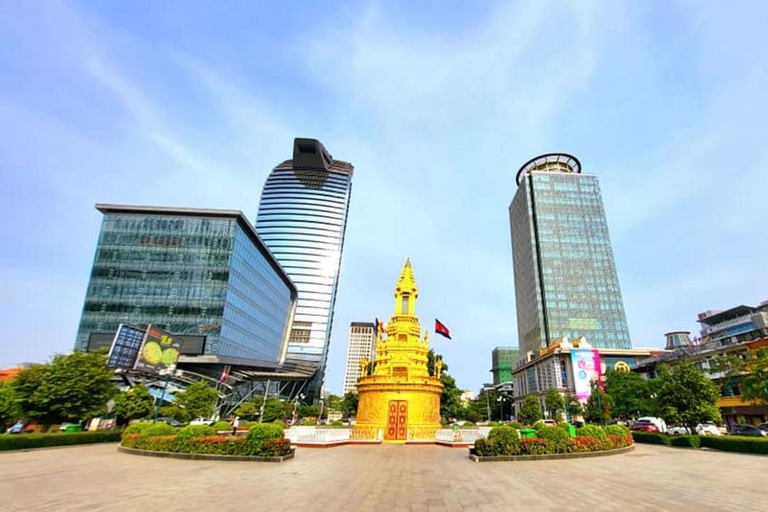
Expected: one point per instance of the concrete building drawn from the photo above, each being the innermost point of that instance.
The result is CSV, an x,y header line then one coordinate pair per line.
x,y
502,359
202,274
553,368
732,332
566,283
302,219
362,345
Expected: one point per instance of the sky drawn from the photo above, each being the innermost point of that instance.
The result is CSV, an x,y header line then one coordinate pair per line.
x,y
436,103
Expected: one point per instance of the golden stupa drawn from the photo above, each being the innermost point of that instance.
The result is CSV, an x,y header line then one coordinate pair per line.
x,y
400,401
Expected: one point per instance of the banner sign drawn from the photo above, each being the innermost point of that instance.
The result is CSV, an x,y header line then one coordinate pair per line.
x,y
586,369
125,347
160,350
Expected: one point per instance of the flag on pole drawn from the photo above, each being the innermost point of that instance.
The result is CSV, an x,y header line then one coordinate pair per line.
x,y
441,329
380,329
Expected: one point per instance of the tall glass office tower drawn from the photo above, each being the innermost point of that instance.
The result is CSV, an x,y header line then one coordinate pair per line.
x,y
565,276
302,218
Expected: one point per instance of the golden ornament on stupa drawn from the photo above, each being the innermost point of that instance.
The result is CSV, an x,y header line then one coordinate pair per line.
x,y
399,400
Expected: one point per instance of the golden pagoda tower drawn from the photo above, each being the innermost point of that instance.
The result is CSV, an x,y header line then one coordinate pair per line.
x,y
399,400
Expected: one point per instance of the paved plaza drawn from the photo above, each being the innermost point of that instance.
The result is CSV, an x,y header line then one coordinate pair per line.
x,y
385,477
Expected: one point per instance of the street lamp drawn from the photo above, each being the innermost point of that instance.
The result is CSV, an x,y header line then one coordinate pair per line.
x,y
501,406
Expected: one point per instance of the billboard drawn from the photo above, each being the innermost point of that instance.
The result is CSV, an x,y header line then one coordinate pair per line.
x,y
586,369
125,347
159,350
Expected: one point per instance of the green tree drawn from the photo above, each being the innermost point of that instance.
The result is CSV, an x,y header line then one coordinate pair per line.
x,y
479,407
175,412
573,407
273,410
450,398
199,400
530,410
70,388
750,373
631,395
349,404
250,409
9,408
687,396
554,403
598,408
133,403
308,411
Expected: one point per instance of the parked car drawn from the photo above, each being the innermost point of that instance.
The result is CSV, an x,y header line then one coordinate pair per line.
x,y
763,427
17,428
644,426
201,421
170,421
658,422
709,429
747,430
549,423
678,430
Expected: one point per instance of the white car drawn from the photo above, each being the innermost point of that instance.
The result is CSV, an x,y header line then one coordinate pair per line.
x,y
200,421
678,430
708,429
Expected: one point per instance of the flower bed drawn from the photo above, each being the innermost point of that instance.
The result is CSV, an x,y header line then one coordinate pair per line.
x,y
262,440
505,442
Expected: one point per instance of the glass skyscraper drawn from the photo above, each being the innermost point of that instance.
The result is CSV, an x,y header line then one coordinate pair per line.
x,y
302,218
565,276
201,274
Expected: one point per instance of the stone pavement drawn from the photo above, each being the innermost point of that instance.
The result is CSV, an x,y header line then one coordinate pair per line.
x,y
384,477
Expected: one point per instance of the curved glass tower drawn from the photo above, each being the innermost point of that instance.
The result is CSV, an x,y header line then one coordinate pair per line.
x,y
565,276
302,218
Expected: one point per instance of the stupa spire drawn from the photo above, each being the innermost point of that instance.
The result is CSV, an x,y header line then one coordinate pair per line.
x,y
406,292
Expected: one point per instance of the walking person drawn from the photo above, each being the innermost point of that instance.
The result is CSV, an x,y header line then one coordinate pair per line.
x,y
235,424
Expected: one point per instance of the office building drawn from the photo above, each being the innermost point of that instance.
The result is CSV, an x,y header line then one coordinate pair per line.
x,y
201,274
362,345
565,277
302,219
502,359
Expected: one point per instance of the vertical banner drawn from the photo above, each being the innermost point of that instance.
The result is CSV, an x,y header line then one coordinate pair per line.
x,y
586,368
160,350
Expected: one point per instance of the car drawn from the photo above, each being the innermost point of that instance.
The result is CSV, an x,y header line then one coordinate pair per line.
x,y
644,426
763,427
747,430
708,429
17,428
678,430
660,424
201,421
549,423
170,421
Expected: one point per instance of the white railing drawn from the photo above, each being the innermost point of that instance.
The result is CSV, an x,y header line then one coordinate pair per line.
x,y
317,434
464,435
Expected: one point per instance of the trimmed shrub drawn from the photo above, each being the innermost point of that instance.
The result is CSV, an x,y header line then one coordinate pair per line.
x,y
592,431
557,437
582,444
259,432
507,440
195,431
740,444
24,441
221,425
487,448
613,442
535,446
650,438
158,429
685,441
137,428
616,430
275,447
220,445
516,424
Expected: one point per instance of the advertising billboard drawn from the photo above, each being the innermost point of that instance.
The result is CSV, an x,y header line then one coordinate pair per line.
x,y
586,369
159,351
125,347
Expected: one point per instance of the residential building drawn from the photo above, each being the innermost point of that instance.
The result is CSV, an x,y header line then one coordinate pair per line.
x,y
502,359
566,283
554,368
362,345
732,332
302,219
201,274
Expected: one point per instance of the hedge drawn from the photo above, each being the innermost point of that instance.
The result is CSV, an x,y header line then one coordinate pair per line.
x,y
740,444
551,440
651,438
23,441
592,431
685,441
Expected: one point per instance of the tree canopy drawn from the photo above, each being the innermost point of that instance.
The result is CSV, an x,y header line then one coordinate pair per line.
x,y
632,395
133,403
530,410
750,373
9,409
348,404
199,400
687,396
554,403
599,405
70,387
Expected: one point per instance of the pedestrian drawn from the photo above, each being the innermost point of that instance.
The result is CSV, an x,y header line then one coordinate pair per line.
x,y
235,424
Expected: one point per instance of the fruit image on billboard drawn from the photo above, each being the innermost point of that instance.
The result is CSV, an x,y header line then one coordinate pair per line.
x,y
159,351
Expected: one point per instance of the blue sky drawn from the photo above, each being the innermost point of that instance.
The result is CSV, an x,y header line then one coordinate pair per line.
x,y
436,103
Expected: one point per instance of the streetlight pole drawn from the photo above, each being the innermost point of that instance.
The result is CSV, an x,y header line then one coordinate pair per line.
x,y
488,404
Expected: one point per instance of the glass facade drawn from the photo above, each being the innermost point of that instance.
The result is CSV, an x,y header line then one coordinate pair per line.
x,y
565,276
188,273
302,219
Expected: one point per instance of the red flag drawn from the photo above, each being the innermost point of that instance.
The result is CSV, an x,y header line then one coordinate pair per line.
x,y
441,329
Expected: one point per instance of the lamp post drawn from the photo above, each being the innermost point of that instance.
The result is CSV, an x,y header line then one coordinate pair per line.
x,y
501,407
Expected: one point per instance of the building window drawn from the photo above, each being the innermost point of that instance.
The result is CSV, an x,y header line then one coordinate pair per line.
x,y
404,310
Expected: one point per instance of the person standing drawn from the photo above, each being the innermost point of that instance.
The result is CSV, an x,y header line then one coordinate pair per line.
x,y
235,424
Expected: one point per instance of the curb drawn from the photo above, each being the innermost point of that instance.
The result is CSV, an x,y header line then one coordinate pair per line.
x,y
204,456
552,456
